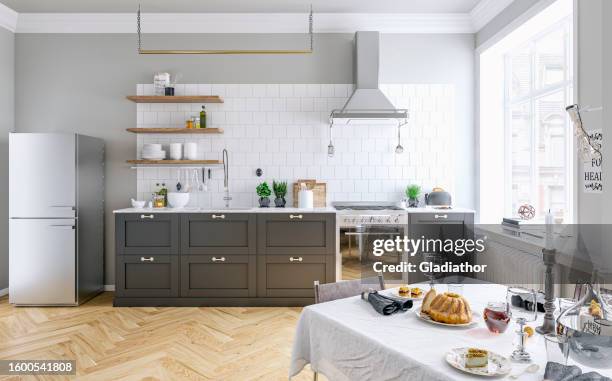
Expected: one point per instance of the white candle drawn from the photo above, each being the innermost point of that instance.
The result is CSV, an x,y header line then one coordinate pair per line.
x,y
548,242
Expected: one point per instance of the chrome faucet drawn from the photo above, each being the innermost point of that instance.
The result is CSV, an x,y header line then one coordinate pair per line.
x,y
227,197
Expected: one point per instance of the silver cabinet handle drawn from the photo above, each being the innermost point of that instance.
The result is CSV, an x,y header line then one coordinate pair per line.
x,y
221,216
150,216
215,259
145,259
298,216
296,259
436,216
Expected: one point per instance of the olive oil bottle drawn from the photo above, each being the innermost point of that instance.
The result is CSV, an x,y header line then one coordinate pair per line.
x,y
203,117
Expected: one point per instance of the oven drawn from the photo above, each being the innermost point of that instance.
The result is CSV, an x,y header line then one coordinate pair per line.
x,y
360,232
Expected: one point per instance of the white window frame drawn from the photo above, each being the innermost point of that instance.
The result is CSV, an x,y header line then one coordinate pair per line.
x,y
532,97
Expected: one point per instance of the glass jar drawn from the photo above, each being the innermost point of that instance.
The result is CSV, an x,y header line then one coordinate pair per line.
x,y
159,201
189,124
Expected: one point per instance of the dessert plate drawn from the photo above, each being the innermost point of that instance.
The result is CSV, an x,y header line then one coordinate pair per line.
x,y
498,364
395,293
428,319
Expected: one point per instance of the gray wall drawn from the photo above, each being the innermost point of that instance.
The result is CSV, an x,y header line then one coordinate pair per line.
x,y
78,82
7,122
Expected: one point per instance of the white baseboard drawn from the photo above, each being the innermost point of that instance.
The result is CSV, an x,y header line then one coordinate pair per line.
x,y
109,287
4,291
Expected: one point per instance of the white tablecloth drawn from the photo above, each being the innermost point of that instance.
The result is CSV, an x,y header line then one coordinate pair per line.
x,y
348,340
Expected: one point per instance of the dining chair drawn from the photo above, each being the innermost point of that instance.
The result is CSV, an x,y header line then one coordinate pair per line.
x,y
345,289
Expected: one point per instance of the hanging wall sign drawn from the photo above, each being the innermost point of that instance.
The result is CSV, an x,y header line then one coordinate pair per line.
x,y
593,182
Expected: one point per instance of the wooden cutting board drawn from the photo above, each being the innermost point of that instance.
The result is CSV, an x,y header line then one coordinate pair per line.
x,y
319,191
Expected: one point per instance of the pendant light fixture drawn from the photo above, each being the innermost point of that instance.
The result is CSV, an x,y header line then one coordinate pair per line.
x,y
331,150
225,51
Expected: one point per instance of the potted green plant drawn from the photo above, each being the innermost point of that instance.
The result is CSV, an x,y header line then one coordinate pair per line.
x,y
263,191
413,192
280,191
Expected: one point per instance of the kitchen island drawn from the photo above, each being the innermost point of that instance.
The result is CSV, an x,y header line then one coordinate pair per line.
x,y
226,257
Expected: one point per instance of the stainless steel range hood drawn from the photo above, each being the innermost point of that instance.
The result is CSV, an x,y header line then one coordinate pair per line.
x,y
367,103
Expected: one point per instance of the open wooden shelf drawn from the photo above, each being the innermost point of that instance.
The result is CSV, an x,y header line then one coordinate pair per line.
x,y
175,162
171,130
175,99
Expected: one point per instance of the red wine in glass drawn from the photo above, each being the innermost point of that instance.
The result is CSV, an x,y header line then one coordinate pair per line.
x,y
496,317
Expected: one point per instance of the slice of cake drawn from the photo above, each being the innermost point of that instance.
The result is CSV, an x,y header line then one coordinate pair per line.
x,y
476,358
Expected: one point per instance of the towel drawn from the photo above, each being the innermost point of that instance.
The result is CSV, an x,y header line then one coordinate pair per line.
x,y
386,305
558,372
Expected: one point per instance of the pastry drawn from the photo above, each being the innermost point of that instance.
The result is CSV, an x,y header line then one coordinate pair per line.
x,y
595,310
429,297
529,331
416,292
449,308
404,290
476,358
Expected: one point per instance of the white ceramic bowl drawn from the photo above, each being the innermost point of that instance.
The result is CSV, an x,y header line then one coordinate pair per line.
x,y
178,199
138,204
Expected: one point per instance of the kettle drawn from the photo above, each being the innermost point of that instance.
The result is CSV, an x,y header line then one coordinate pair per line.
x,y
438,197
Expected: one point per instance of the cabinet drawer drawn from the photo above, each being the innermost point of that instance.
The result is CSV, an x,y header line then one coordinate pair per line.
x,y
147,276
297,233
433,218
218,275
218,233
147,233
292,275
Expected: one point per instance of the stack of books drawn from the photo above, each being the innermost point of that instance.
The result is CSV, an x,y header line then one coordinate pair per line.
x,y
515,227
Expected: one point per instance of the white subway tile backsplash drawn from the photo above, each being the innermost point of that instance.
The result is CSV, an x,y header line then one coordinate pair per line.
x,y
284,129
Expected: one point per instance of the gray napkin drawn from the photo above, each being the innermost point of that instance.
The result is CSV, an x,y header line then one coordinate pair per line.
x,y
558,372
386,305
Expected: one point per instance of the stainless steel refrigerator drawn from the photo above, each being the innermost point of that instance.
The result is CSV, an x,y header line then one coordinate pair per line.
x,y
56,211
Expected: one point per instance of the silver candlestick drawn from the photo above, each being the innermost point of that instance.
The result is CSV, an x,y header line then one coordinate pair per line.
x,y
548,325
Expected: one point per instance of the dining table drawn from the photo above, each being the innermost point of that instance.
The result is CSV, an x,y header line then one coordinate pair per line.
x,y
346,339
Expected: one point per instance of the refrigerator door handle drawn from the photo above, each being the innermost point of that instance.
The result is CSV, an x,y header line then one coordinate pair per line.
x,y
63,206
64,227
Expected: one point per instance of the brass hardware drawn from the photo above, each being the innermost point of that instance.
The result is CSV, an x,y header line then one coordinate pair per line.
x,y
225,51
221,216
149,259
298,216
296,259
150,216
215,259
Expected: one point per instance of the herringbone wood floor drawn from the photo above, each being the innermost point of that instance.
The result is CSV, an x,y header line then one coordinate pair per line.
x,y
153,343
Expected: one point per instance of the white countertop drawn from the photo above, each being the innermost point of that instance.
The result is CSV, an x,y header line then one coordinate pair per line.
x,y
223,210
278,210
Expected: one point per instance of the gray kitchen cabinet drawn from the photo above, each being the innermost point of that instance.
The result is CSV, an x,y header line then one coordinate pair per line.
x,y
147,276
218,233
218,275
296,233
147,233
292,275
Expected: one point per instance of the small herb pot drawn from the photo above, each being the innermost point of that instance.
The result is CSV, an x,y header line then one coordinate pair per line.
x,y
413,202
264,202
280,202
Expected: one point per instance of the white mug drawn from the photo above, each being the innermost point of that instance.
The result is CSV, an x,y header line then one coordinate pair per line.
x,y
191,151
176,151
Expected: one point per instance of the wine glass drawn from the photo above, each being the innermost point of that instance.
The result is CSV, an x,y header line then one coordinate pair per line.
x,y
523,307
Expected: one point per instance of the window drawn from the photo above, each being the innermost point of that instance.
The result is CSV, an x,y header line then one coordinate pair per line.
x,y
537,88
525,136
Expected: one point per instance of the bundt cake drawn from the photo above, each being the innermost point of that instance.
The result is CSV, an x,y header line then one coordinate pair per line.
x,y
448,308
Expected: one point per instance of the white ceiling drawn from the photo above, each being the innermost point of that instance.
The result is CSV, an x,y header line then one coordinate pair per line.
x,y
241,6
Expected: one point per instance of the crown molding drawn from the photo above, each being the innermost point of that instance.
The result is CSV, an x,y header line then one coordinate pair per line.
x,y
471,22
242,23
8,18
486,10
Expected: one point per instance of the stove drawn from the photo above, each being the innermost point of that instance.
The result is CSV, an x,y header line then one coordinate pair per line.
x,y
353,214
